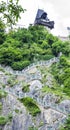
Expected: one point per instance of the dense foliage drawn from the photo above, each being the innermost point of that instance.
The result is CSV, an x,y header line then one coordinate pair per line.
x,y
31,106
24,46
5,119
61,72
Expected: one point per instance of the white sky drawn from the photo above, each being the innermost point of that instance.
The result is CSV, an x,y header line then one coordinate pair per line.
x,y
58,10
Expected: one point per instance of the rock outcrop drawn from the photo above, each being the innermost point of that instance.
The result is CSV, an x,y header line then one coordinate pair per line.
x,y
54,110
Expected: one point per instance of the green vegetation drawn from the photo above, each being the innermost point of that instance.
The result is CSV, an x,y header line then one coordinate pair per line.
x,y
10,117
57,91
10,12
31,106
41,124
12,81
17,110
3,85
1,69
2,94
5,119
25,88
25,46
66,125
61,72
0,106
55,85
32,128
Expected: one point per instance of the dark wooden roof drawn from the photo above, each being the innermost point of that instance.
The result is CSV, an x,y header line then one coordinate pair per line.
x,y
42,19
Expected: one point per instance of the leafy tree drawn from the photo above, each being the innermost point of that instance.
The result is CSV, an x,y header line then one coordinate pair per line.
x,y
25,46
57,47
64,62
2,35
66,49
45,45
20,64
22,35
60,46
2,32
51,39
38,33
9,55
10,12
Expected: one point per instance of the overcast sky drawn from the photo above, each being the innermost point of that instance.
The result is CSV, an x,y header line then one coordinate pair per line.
x,y
58,10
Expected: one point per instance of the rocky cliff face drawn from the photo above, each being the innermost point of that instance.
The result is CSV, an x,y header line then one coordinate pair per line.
x,y
35,82
19,116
